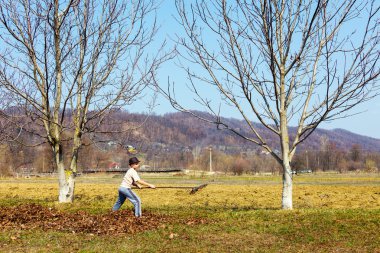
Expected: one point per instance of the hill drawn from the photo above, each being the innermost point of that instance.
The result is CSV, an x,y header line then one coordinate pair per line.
x,y
176,130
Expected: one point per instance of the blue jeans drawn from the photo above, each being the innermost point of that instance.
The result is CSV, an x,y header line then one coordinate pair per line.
x,y
127,193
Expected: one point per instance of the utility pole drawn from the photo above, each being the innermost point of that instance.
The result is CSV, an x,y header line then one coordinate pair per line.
x,y
210,148
154,162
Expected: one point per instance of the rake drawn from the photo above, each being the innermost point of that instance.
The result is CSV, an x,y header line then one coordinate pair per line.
x,y
193,189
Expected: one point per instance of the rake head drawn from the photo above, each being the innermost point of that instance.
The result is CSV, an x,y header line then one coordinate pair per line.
x,y
197,188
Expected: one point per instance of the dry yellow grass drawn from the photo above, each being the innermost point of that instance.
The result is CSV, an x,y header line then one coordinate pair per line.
x,y
321,191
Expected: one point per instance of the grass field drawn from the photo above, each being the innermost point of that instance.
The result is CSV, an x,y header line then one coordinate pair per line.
x,y
332,213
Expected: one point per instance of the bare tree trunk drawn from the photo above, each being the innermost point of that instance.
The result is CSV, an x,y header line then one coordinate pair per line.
x,y
66,186
70,175
287,186
65,177
287,181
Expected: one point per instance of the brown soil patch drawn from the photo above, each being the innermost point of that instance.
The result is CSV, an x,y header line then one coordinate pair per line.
x,y
34,216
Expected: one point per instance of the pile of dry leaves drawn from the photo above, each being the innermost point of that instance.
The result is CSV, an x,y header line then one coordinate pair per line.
x,y
34,216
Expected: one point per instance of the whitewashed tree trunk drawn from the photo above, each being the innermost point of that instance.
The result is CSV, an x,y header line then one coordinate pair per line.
x,y
287,187
287,181
66,186
66,178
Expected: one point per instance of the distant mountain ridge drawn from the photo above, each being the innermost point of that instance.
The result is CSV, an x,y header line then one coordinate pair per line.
x,y
182,129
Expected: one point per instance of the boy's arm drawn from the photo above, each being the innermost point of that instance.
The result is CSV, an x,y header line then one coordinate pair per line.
x,y
145,183
135,184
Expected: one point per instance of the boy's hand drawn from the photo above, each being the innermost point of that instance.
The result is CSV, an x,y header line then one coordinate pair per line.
x,y
152,186
137,185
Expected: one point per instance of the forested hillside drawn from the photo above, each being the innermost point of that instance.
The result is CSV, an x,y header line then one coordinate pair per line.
x,y
182,141
183,130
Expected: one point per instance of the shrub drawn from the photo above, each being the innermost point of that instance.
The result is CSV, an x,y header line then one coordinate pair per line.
x,y
240,165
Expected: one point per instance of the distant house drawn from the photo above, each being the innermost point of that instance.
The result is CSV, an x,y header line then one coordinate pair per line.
x,y
114,165
145,167
265,152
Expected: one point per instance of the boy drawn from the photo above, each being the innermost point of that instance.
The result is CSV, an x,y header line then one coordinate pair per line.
x,y
131,178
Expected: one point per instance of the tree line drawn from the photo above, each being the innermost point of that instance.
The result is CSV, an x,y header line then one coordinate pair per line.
x,y
16,159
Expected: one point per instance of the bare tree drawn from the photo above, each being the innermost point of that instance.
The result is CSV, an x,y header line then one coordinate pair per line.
x,y
279,63
4,126
69,63
5,121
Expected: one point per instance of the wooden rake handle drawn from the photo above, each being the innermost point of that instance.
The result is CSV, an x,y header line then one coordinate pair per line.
x,y
193,189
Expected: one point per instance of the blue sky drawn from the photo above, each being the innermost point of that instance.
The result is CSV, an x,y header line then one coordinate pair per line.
x,y
365,121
